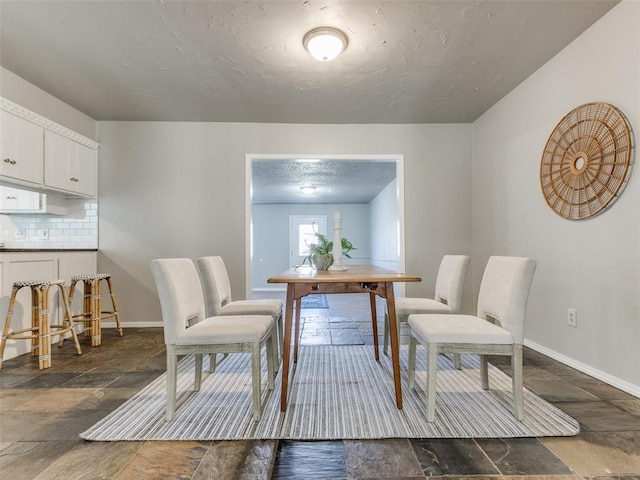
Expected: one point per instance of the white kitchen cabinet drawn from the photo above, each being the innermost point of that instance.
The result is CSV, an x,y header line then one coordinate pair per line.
x,y
16,200
22,266
69,166
25,202
21,150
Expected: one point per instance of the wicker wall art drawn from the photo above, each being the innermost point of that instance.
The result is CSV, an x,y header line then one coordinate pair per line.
x,y
587,161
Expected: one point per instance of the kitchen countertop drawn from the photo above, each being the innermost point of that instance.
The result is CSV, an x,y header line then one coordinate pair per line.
x,y
25,250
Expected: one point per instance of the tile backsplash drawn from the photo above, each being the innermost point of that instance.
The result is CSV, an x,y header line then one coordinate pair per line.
x,y
77,229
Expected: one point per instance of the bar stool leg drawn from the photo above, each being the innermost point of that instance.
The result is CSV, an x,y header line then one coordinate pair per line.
x,y
72,291
87,308
40,331
7,323
68,324
35,321
87,315
44,332
93,315
96,309
115,306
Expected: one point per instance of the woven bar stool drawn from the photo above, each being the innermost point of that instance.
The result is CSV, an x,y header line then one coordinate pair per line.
x,y
40,332
92,313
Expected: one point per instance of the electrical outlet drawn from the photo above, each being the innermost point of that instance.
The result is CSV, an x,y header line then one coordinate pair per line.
x,y
44,234
572,317
20,233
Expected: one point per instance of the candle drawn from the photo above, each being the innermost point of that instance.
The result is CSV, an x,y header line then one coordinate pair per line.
x,y
337,242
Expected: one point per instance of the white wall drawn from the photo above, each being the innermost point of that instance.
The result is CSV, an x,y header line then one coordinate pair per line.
x,y
271,236
171,189
384,228
591,265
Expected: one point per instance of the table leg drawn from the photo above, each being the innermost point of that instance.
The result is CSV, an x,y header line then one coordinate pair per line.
x,y
286,347
297,339
374,325
395,341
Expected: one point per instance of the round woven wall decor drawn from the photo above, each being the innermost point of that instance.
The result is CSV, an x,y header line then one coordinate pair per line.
x,y
586,161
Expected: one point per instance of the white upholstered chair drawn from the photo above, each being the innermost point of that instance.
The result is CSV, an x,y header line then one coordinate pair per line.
x,y
498,328
218,301
187,330
447,298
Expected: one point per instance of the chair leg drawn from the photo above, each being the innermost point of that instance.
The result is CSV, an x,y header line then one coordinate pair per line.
x,y
432,359
385,345
213,362
280,338
411,368
518,394
374,326
172,380
255,381
456,361
276,354
484,372
197,381
272,352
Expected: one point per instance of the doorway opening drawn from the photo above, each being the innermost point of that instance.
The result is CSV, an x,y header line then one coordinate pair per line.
x,y
367,189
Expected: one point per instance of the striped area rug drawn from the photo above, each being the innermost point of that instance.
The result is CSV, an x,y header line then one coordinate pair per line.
x,y
338,392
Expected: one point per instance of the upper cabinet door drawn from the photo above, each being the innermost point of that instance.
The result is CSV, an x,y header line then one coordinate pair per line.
x,y
16,200
86,170
57,161
21,149
69,165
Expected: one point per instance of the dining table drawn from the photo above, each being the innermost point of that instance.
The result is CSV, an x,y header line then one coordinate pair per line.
x,y
374,280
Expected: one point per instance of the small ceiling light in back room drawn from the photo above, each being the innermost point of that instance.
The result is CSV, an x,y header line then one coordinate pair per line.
x,y
325,43
308,190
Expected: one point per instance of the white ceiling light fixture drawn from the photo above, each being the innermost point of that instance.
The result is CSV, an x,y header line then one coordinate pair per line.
x,y
308,190
325,43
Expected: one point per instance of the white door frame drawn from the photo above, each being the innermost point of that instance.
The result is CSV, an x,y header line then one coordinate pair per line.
x,y
251,157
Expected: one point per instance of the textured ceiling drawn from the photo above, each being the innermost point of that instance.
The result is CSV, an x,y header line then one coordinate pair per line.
x,y
243,61
336,181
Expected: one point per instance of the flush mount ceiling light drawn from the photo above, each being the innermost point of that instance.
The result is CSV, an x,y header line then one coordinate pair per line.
x,y
308,190
325,43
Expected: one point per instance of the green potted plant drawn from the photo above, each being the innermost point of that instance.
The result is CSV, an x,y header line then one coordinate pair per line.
x,y
320,254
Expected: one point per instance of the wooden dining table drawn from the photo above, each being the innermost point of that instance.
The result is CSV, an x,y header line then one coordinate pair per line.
x,y
376,281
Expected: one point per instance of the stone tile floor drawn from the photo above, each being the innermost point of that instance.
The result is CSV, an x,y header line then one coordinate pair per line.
x,y
42,412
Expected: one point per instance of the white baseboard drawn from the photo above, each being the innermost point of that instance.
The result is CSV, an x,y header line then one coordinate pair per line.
x,y
584,368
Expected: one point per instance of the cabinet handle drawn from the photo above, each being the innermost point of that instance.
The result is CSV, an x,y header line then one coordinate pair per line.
x,y
8,160
74,179
11,198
